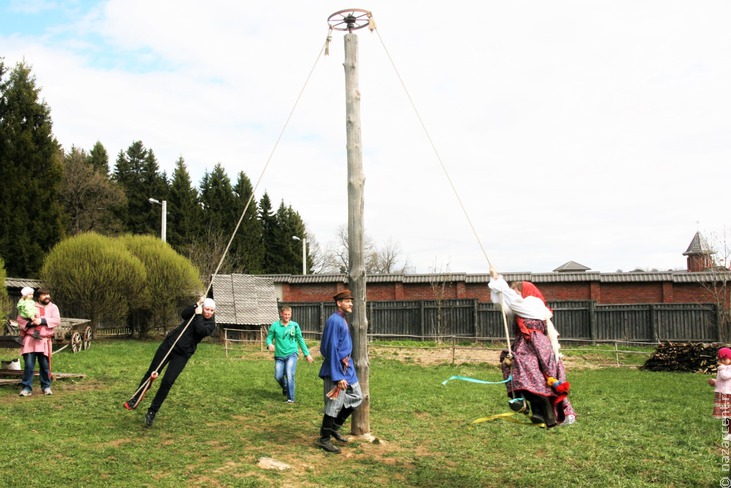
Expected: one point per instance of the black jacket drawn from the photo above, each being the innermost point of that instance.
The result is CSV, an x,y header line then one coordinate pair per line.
x,y
199,329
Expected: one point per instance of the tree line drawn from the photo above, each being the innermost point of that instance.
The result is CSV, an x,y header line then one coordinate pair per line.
x,y
49,194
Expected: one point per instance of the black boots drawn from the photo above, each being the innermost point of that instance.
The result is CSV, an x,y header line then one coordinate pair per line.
x,y
149,418
330,428
327,429
325,443
337,435
541,410
338,423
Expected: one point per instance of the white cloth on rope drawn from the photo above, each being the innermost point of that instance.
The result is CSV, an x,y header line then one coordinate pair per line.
x,y
529,308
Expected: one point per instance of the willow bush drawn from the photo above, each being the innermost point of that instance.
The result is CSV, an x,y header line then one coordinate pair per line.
x,y
95,277
138,281
171,282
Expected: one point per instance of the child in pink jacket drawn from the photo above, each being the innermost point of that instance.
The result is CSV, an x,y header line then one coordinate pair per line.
x,y
722,382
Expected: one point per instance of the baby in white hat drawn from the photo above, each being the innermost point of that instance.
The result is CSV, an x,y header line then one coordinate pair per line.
x,y
26,305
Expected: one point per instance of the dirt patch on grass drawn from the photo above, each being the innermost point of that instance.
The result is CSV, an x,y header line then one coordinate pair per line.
x,y
430,356
489,356
304,463
355,452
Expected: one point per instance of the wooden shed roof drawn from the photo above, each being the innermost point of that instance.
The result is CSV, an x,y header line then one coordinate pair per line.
x,y
245,300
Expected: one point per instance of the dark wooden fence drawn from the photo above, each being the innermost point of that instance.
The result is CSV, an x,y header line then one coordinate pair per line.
x,y
579,321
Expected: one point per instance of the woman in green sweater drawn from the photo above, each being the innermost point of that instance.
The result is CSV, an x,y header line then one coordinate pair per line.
x,y
286,335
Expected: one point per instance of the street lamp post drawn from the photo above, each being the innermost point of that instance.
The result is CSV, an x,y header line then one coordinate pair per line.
x,y
304,253
164,222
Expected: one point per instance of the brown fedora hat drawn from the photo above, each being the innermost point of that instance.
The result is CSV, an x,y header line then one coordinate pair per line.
x,y
343,295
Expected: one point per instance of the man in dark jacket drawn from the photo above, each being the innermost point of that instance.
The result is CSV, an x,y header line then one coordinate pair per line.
x,y
174,352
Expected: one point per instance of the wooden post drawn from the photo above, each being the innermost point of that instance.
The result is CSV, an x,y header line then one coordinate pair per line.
x,y
422,320
476,319
592,322
653,324
225,341
360,424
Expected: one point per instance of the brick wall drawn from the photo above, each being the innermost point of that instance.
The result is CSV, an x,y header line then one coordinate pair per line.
x,y
566,291
622,291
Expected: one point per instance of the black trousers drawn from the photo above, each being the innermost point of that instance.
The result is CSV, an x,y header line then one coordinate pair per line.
x,y
330,424
173,366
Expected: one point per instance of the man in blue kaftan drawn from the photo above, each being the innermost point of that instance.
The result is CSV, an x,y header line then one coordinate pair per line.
x,y
342,392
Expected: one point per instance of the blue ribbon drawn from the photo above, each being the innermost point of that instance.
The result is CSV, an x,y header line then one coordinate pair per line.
x,y
482,382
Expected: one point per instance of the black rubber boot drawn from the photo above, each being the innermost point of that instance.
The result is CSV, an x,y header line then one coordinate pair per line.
x,y
149,418
542,411
338,423
325,443
537,417
548,413
337,435
325,432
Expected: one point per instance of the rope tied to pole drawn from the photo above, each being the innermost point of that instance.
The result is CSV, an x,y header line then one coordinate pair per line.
x,y
146,384
449,179
505,324
328,40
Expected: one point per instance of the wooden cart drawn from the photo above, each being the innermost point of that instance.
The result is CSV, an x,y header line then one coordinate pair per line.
x,y
74,333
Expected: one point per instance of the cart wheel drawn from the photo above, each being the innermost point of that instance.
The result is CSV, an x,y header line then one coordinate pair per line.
x,y
76,342
87,338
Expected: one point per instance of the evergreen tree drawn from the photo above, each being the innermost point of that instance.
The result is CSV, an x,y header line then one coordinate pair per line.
x,y
136,171
289,224
185,216
274,258
250,248
99,159
219,221
218,201
126,174
154,185
31,216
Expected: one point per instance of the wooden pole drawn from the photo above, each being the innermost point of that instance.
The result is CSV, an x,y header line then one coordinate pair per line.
x,y
360,424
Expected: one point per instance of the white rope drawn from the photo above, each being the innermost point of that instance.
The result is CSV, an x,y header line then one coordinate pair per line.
x,y
426,132
449,179
246,208
505,323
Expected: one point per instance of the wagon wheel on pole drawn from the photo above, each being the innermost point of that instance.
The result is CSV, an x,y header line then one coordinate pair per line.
x,y
87,337
350,19
76,342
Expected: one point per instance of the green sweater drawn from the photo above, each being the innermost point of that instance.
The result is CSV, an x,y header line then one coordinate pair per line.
x,y
27,309
286,339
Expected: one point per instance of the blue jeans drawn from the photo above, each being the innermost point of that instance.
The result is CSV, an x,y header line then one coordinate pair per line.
x,y
30,365
284,369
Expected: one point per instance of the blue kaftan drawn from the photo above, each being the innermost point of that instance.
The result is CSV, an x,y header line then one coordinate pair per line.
x,y
336,344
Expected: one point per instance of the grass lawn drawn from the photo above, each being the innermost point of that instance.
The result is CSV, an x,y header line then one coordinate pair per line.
x,y
634,428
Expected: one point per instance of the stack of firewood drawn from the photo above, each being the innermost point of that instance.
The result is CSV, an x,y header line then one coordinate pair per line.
x,y
695,357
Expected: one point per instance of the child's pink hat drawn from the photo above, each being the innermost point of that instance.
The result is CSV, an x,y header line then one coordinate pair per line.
x,y
724,352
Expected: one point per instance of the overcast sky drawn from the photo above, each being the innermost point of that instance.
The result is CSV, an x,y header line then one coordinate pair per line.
x,y
592,131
